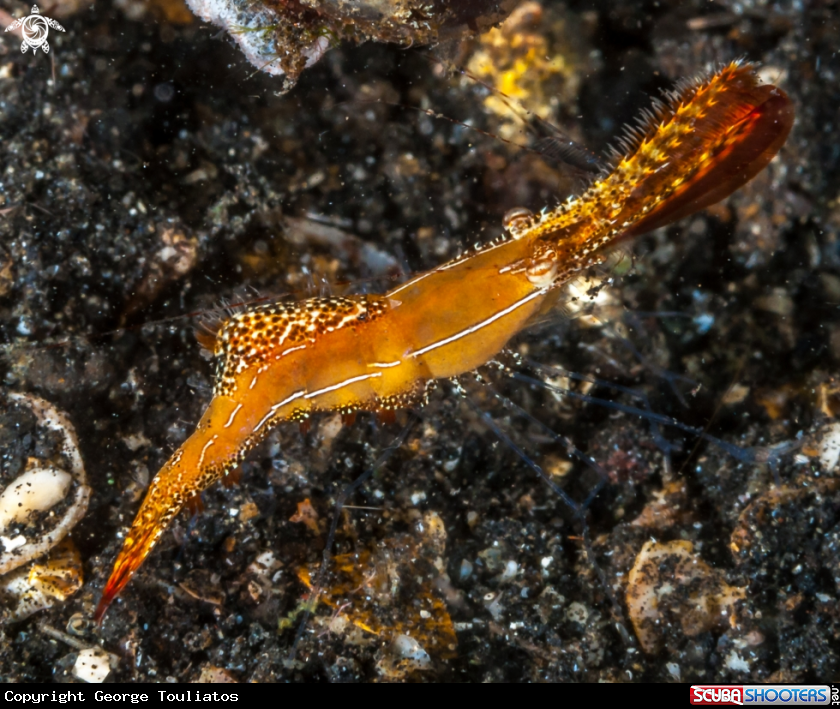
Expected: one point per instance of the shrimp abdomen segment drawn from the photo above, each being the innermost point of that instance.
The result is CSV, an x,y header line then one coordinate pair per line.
x,y
459,316
429,328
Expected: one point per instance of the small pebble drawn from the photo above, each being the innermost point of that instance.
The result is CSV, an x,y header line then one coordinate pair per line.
x,y
93,665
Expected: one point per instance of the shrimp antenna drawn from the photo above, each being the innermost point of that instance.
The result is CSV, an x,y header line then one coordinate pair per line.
x,y
749,455
578,510
552,142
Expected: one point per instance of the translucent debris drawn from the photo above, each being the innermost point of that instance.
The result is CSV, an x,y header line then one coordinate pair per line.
x,y
389,595
43,583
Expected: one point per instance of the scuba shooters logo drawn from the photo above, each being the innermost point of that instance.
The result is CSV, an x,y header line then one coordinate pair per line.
x,y
763,695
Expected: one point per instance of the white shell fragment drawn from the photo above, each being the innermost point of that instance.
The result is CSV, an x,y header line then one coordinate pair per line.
x,y
53,419
37,511
36,490
669,584
403,656
92,665
830,447
408,649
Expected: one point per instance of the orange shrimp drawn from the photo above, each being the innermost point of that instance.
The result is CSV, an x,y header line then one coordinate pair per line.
x,y
285,361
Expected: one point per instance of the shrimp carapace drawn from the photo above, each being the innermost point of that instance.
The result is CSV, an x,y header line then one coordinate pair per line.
x,y
285,361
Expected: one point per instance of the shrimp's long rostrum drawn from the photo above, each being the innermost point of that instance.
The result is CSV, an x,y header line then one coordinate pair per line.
x,y
285,361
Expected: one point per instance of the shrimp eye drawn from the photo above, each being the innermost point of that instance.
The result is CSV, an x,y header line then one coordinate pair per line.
x,y
517,219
